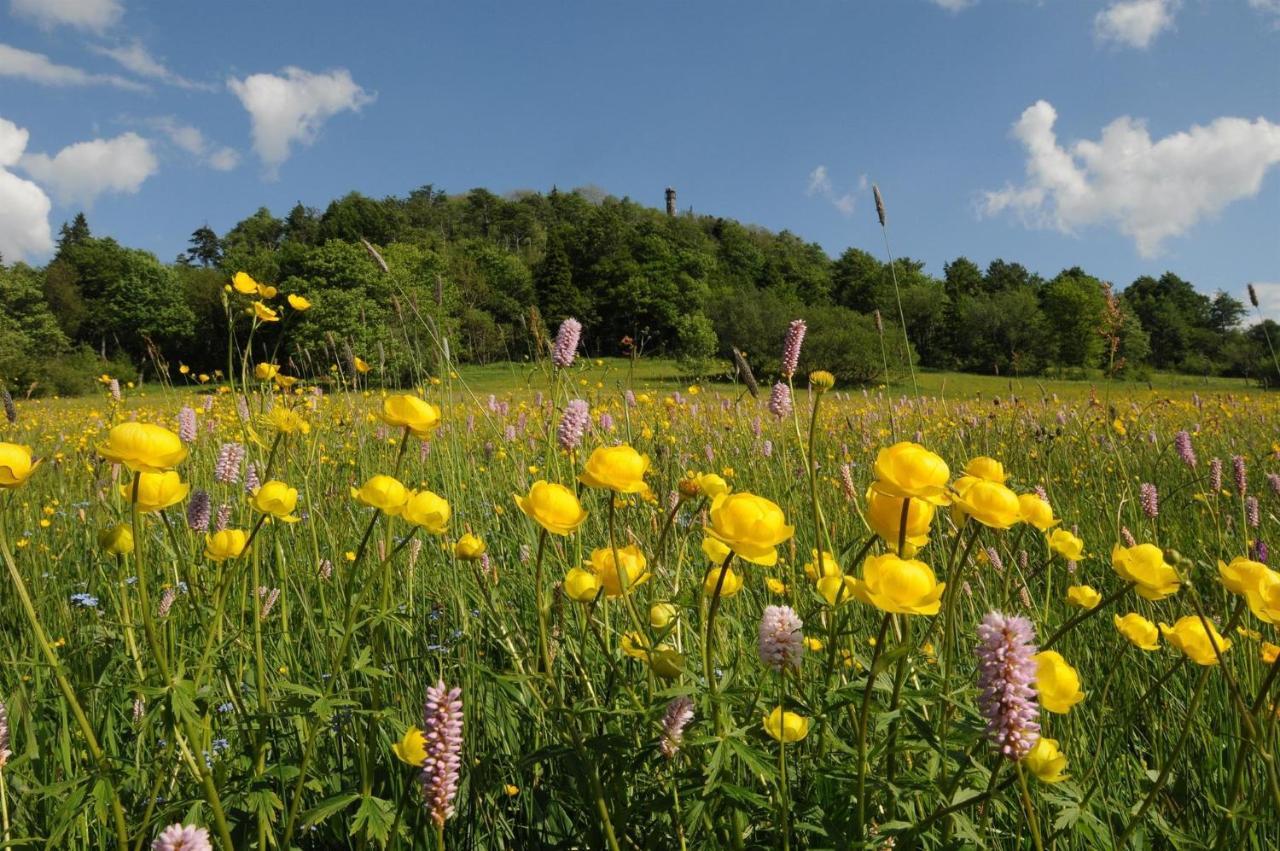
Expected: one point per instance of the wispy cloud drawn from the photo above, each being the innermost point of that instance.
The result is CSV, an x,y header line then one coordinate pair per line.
x,y
93,15
135,57
954,5
192,140
820,186
38,68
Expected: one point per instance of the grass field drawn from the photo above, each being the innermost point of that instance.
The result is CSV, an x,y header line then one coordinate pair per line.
x,y
265,684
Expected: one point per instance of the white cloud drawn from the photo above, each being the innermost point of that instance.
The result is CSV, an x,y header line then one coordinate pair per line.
x,y
1272,6
81,172
24,208
290,108
95,15
1149,190
954,5
820,186
1268,301
192,141
1134,23
135,57
38,68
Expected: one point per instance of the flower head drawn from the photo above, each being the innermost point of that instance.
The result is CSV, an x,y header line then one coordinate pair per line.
x,y
276,499
990,503
1037,511
573,424
884,516
16,465
1006,672
407,411
1046,762
1066,544
116,540
791,347
730,585
442,743
565,348
469,547
987,469
155,491
677,716
427,510
620,469
750,526
780,400
908,469
1084,596
781,638
179,837
225,544
1057,683
385,493
898,585
1189,634
1141,632
621,574
412,747
142,447
786,726
244,284
1144,564
553,507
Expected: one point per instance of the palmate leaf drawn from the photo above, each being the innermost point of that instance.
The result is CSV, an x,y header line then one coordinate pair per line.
x,y
375,817
329,806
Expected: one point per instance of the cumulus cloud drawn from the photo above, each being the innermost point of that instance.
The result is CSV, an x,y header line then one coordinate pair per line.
x,y
1134,23
24,208
289,108
820,186
38,68
79,173
192,141
135,57
1149,190
94,15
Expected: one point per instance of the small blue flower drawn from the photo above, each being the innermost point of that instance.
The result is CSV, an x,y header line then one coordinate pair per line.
x,y
88,601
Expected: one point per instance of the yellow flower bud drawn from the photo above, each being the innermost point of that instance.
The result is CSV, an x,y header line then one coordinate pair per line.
x,y
786,726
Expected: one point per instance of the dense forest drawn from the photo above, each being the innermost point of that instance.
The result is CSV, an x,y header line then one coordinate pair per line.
x,y
493,274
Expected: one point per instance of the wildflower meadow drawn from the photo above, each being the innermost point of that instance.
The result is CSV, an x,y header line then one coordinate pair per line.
x,y
296,607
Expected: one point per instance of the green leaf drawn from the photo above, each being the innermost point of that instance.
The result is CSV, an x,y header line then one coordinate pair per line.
x,y
328,807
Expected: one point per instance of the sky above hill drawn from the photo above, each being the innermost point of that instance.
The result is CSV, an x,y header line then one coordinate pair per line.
x,y
1125,136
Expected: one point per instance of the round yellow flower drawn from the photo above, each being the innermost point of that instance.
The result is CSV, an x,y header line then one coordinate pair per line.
x,y
1145,565
581,585
823,564
225,544
661,615
988,469
116,540
16,465
407,411
1057,682
276,499
1270,652
1242,575
884,516
618,468
553,507
265,371
1141,632
991,504
750,525
908,469
244,284
626,573
1264,599
634,644
715,551
412,747
298,303
732,582
838,589
385,493
821,380
361,365
901,586
1065,544
156,491
1046,762
143,447
1189,635
666,662
786,726
469,547
710,485
264,313
1036,511
428,510
1084,596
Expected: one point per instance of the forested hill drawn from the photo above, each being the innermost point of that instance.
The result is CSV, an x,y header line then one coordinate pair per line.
x,y
494,272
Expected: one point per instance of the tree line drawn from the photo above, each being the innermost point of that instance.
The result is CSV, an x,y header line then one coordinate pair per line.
x,y
493,275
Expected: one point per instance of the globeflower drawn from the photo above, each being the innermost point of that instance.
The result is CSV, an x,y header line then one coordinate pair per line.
x,y
731,585
1242,575
1046,762
786,726
1066,544
553,507
750,526
823,564
469,547
412,747
837,589
1038,512
581,585
908,469
143,447
1189,635
407,411
1264,600
1084,596
152,492
384,493
901,586
715,551
285,420
987,469
1057,682
620,469
276,499
265,371
884,516
710,485
16,465
621,575
1144,564
990,503
1141,632
225,544
661,615
116,540
427,510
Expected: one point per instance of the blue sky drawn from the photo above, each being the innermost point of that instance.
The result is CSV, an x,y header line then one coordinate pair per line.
x,y
1127,136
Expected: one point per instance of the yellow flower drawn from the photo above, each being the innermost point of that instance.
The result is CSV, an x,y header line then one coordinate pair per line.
x,y
156,491
276,499
511,791
407,411
553,507
143,447
225,544
988,469
1242,575
1141,632
884,516
732,582
991,504
624,574
838,589
750,525
469,547
264,313
581,585
428,510
16,465
1046,762
1037,512
1189,635
244,284
901,586
821,380
666,662
1057,682
116,540
813,645
267,291
634,644
412,747
715,551
618,468
361,365
661,615
265,371
786,726
1264,599
1066,544
1270,652
1145,565
1084,596
710,485
286,421
298,303
384,493
775,585
908,469
829,566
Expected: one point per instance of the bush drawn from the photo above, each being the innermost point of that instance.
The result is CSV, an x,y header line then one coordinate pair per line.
x,y
695,345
